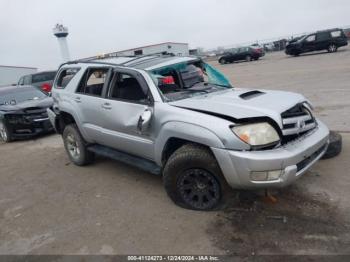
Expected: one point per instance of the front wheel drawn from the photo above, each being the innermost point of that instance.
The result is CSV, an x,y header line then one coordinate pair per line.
x,y
5,133
222,61
76,146
332,48
193,179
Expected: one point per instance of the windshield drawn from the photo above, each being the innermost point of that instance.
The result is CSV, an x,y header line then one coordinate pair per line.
x,y
21,95
180,81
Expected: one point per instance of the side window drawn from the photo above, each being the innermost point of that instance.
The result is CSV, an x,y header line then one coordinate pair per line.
x,y
26,80
65,77
323,36
336,33
93,81
126,87
311,38
20,82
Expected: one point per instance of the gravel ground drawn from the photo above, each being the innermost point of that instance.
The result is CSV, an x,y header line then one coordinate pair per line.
x,y
49,206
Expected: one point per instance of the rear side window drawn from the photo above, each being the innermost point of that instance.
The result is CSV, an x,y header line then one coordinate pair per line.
x,y
93,81
65,77
323,36
336,33
43,77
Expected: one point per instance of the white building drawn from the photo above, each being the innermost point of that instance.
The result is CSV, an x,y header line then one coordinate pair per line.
x,y
10,74
178,49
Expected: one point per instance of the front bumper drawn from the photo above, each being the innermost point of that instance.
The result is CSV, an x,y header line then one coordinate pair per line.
x,y
41,126
294,159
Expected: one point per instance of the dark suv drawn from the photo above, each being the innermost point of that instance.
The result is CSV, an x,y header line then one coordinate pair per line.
x,y
243,53
329,40
42,80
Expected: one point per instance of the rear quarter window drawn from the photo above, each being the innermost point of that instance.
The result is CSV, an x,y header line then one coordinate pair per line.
x,y
65,77
336,33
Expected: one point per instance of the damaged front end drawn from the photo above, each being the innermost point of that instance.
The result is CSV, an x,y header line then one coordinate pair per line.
x,y
27,122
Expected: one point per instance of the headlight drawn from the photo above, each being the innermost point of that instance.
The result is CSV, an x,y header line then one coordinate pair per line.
x,y
256,134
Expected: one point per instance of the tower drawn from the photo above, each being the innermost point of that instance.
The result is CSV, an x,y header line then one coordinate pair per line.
x,y
61,33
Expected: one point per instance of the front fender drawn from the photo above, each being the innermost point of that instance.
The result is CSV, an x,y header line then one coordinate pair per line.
x,y
185,131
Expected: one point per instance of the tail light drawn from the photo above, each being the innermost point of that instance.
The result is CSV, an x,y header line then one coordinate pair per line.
x,y
168,80
258,50
46,87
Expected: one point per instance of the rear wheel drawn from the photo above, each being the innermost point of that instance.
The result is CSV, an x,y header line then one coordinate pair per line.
x,y
248,58
5,133
76,146
193,179
332,48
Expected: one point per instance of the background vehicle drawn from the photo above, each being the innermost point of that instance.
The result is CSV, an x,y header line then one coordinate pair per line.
x,y
258,48
23,112
329,40
42,80
242,53
180,117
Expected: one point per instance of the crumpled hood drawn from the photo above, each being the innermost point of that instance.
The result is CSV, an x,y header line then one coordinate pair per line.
x,y
42,103
243,103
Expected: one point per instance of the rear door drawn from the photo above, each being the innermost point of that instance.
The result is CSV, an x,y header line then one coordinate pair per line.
x,y
127,99
88,99
322,40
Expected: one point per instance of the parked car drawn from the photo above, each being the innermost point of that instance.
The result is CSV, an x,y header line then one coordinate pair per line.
x,y
41,80
23,112
243,53
202,138
329,40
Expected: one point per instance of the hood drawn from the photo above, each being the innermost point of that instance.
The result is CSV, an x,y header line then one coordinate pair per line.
x,y
241,104
42,103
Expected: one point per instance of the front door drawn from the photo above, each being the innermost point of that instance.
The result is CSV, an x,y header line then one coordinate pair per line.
x,y
126,102
309,44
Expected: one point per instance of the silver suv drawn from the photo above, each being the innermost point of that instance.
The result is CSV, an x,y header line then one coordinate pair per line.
x,y
181,118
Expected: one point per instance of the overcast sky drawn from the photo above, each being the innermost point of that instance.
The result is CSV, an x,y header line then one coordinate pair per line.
x,y
102,26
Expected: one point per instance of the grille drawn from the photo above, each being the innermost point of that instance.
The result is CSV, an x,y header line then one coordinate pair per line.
x,y
297,121
27,118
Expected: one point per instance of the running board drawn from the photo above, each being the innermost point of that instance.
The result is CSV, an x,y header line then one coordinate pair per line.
x,y
141,163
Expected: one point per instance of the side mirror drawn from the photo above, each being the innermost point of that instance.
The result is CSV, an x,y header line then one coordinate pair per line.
x,y
144,120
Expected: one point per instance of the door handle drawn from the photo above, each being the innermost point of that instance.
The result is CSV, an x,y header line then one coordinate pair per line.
x,y
107,106
78,99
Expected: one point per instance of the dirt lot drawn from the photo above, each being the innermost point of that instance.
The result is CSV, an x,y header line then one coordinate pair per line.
x,y
49,206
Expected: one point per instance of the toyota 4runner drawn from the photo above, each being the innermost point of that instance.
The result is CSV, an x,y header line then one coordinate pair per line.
x,y
181,118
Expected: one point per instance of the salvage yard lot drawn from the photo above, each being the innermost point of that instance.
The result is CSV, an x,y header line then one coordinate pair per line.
x,y
49,206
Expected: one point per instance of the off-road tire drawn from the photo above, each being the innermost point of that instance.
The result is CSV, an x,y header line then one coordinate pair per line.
x,y
188,158
84,157
5,134
335,145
